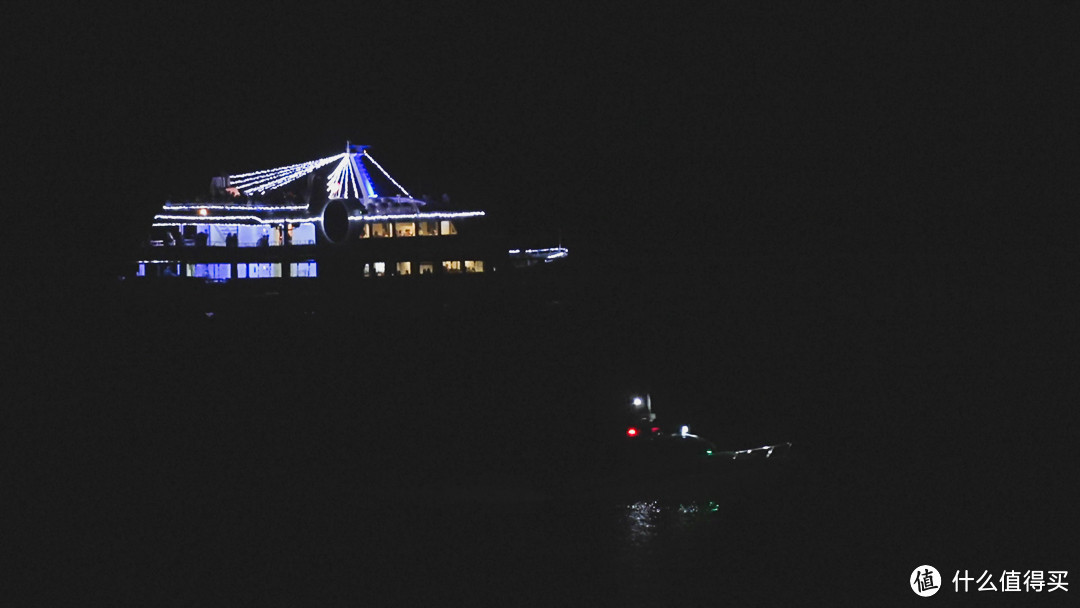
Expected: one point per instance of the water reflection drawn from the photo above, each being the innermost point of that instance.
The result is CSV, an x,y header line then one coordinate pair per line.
x,y
641,520
644,523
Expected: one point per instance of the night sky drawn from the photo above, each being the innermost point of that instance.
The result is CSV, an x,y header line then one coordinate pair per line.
x,y
761,130
883,195
890,176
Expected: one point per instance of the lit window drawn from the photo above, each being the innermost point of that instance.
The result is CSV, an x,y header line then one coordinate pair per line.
x,y
452,266
241,271
303,234
447,227
474,265
380,268
202,234
302,269
429,228
250,235
142,271
216,272
427,267
365,231
381,229
404,268
264,271
405,228
220,234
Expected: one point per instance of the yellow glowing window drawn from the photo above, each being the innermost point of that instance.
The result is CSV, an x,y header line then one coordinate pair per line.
x,y
474,265
405,228
427,268
381,229
365,231
429,229
447,227
404,268
452,266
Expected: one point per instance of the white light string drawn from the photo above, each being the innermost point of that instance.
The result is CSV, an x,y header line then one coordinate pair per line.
x,y
374,162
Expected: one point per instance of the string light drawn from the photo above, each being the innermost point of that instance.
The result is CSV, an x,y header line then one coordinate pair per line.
x,y
548,254
549,250
416,216
189,207
364,177
258,182
230,219
386,174
349,180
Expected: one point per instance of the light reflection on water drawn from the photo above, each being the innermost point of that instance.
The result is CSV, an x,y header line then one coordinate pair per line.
x,y
641,520
649,532
645,520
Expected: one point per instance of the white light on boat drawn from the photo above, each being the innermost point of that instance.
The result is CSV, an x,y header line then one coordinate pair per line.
x,y
377,165
190,207
196,219
261,181
386,217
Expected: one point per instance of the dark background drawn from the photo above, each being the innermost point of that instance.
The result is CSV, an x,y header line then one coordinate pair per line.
x,y
842,226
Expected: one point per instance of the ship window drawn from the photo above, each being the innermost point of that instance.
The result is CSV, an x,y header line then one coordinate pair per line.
x,y
264,270
365,231
304,234
277,236
380,268
427,267
302,269
196,235
241,271
474,265
405,228
429,228
380,229
452,266
404,268
219,234
447,227
249,235
216,272
142,271
262,236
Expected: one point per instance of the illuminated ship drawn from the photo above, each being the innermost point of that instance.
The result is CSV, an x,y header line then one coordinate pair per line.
x,y
256,230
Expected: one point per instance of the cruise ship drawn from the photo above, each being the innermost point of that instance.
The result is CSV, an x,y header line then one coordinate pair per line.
x,y
324,222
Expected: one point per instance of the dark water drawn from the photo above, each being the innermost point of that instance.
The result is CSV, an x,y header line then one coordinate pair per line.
x,y
461,454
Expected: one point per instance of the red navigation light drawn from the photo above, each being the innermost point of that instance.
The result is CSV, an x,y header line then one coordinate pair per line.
x,y
631,432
